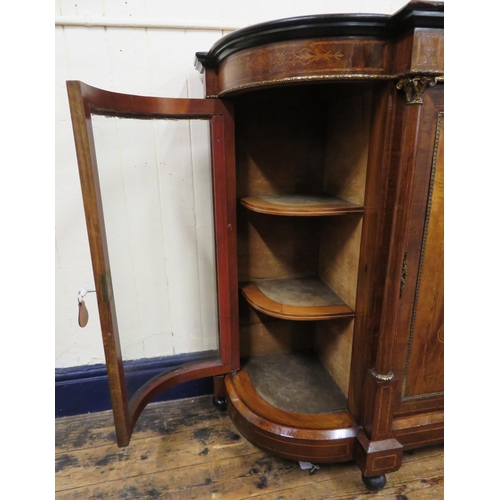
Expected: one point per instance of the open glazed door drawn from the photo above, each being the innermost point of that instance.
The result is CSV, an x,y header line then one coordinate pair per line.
x,y
222,354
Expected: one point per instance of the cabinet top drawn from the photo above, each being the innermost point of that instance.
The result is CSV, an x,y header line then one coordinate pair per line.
x,y
416,14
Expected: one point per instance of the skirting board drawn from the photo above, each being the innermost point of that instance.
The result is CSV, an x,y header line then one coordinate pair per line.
x,y
84,389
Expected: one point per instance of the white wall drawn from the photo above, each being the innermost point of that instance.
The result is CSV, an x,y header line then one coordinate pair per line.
x,y
146,48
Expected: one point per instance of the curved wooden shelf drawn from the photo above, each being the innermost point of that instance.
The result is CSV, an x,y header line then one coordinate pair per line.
x,y
322,438
300,205
250,397
299,299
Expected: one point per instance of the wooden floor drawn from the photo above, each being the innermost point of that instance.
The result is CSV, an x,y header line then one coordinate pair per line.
x,y
187,449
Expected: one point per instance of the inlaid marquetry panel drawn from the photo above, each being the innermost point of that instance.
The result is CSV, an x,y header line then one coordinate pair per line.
x,y
304,59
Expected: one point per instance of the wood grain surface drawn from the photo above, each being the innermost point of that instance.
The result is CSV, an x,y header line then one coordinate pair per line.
x,y
264,334
418,334
300,205
301,59
426,357
272,247
281,303
186,449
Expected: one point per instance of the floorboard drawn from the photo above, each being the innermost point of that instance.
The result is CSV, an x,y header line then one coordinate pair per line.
x,y
186,449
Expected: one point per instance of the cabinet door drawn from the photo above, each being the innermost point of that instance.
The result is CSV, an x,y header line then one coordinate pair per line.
x,y
419,361
87,103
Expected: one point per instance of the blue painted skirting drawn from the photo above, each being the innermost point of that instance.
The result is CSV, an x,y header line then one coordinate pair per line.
x,y
84,389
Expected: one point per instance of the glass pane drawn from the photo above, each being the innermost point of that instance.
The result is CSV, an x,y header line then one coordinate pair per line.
x,y
156,188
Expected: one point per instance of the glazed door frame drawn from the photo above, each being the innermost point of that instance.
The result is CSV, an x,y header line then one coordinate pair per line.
x,y
86,101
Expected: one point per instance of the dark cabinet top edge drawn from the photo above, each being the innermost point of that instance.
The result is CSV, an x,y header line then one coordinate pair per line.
x,y
414,14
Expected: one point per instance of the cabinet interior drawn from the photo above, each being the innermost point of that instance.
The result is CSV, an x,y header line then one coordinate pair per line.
x,y
301,160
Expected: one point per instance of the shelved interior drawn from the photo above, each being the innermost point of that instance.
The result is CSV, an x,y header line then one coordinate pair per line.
x,y
301,160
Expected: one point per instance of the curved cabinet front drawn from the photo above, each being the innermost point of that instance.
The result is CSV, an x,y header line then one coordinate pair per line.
x,y
299,61
322,438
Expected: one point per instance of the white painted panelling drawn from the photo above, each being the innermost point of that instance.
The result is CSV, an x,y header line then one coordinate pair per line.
x,y
225,14
197,41
108,140
205,224
88,55
128,49
232,11
82,7
157,201
162,287
177,186
211,12
167,68
160,9
123,8
379,7
74,265
161,247
140,23
64,338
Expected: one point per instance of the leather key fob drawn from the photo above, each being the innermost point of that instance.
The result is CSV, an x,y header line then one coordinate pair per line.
x,y
83,314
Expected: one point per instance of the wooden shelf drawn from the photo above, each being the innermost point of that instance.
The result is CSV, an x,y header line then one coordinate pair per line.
x,y
295,382
292,389
290,434
300,205
300,299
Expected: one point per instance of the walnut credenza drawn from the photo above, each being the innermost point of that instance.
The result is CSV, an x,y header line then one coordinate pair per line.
x,y
327,150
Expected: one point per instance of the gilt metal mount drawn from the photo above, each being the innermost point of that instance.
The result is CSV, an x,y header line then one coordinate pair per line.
x,y
415,87
381,376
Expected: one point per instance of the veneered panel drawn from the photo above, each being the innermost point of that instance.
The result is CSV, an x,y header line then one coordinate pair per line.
x,y
304,59
426,358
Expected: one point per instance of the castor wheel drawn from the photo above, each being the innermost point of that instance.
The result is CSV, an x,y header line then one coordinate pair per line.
x,y
374,483
219,403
